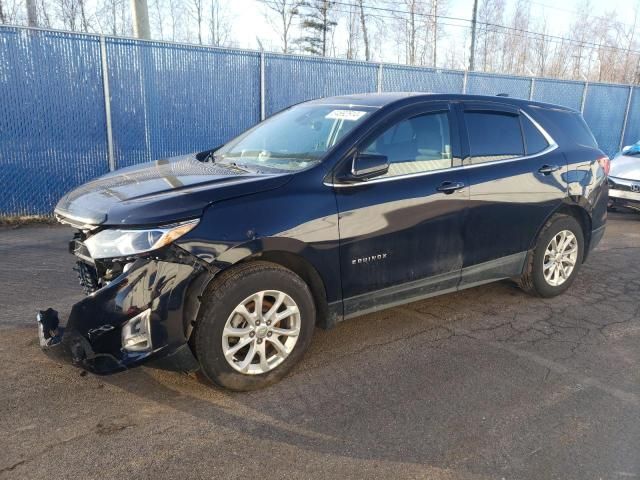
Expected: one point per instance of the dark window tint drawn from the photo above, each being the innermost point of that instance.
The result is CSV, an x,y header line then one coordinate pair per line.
x,y
418,144
573,126
533,139
493,136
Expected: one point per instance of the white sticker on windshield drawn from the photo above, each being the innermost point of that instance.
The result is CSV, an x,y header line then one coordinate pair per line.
x,y
351,115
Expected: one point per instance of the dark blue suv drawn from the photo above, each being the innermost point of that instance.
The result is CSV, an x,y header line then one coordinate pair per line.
x,y
226,260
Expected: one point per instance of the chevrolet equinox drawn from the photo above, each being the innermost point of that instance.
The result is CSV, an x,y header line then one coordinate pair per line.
x,y
227,259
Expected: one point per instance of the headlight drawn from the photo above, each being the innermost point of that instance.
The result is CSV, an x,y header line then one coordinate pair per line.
x,y
115,242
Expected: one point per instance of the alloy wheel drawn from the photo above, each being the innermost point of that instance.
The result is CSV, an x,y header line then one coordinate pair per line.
x,y
560,258
261,332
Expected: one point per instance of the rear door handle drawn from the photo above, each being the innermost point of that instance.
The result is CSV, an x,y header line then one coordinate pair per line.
x,y
547,169
450,187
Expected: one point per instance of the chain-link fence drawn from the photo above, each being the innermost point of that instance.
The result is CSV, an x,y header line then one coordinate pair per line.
x,y
74,106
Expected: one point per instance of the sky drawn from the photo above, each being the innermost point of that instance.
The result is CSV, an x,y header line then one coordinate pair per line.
x,y
249,20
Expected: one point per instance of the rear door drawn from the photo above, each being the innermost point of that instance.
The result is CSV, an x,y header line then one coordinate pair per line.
x,y
516,179
401,232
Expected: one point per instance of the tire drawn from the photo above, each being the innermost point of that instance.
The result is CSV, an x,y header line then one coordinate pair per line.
x,y
220,306
534,280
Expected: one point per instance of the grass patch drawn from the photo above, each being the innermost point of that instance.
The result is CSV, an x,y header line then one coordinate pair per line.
x,y
20,220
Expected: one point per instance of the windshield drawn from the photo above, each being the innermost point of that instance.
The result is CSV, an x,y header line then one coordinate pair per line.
x,y
294,139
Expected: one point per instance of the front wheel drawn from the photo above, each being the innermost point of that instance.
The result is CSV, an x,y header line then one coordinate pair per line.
x,y
255,324
556,258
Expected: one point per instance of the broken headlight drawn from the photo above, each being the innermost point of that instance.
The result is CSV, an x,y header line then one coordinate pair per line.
x,y
116,242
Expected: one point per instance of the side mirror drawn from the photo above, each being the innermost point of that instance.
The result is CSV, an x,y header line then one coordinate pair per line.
x,y
626,148
368,165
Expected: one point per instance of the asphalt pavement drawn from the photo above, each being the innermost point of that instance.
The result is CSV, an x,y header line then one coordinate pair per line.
x,y
487,383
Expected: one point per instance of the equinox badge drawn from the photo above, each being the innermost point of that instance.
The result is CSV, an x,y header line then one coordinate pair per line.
x,y
370,258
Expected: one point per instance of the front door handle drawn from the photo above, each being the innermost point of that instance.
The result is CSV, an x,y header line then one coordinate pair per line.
x,y
450,187
547,169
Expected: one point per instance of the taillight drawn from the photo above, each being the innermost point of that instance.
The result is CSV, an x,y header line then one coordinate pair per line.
x,y
605,163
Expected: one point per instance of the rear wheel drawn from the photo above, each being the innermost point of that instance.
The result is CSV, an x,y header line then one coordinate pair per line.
x,y
255,324
554,262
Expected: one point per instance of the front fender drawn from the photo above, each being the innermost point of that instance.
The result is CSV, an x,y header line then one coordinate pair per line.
x,y
300,219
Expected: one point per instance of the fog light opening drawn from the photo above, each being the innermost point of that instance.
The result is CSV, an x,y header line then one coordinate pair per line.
x,y
136,333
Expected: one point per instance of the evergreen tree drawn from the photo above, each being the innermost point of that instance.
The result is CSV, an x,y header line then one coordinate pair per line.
x,y
317,23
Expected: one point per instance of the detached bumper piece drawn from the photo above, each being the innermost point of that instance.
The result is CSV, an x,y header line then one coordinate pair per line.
x,y
68,346
136,318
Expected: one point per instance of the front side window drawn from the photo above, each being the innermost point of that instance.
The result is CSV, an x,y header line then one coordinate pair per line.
x,y
415,145
493,136
294,139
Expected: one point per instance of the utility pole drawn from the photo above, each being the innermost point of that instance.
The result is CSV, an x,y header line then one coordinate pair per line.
x,y
32,13
435,33
472,53
140,17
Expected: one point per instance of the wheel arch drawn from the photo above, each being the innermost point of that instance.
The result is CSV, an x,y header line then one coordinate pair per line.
x,y
288,253
306,271
577,211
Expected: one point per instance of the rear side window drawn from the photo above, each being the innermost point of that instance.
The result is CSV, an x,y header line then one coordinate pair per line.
x,y
573,126
493,136
533,139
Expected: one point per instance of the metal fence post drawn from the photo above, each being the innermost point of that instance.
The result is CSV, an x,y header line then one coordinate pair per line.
x,y
532,88
464,81
379,81
584,96
107,103
626,117
263,103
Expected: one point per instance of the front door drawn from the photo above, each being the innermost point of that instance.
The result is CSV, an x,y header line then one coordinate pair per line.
x,y
401,232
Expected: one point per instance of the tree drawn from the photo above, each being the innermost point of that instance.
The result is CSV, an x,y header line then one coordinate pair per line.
x,y
44,16
286,11
410,31
197,13
157,17
488,36
3,19
353,32
541,48
365,33
219,24
630,34
318,22
32,13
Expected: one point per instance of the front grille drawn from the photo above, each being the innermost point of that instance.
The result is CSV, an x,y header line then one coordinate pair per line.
x,y
624,184
87,276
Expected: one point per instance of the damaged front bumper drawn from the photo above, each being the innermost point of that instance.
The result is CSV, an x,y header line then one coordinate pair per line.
x,y
144,314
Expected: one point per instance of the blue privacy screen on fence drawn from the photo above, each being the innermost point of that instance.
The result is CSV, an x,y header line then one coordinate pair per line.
x,y
604,110
52,119
398,78
486,84
292,79
565,93
169,99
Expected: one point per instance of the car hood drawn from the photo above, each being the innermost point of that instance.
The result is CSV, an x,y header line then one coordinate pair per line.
x,y
627,167
159,192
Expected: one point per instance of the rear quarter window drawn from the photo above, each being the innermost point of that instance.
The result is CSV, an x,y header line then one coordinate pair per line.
x,y
572,127
533,139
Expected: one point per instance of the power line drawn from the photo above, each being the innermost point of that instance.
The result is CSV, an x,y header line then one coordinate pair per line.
x,y
526,33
